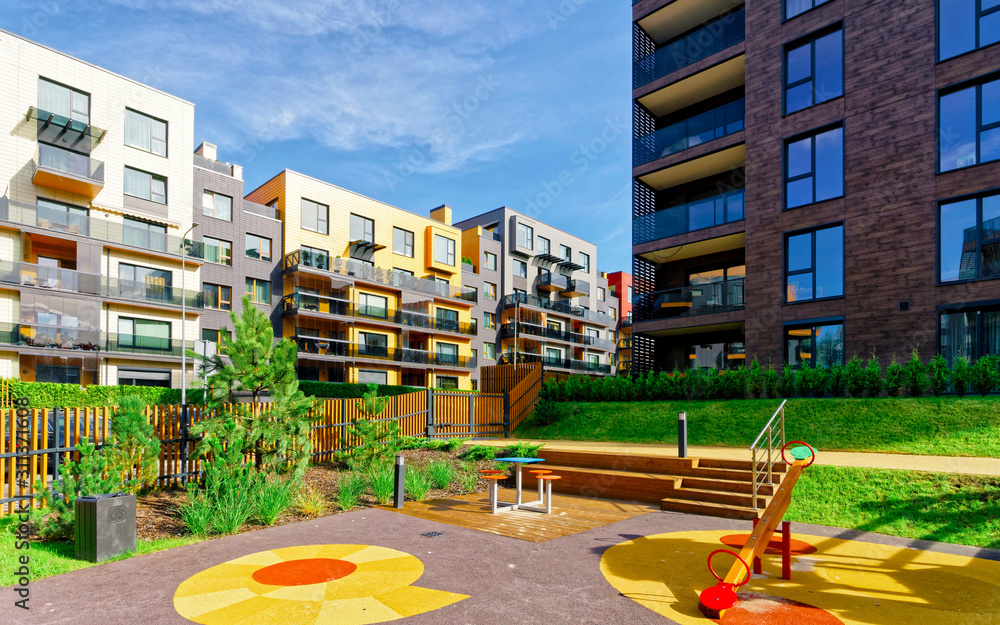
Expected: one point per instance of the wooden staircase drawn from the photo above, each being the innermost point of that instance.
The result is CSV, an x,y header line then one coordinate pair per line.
x,y
722,488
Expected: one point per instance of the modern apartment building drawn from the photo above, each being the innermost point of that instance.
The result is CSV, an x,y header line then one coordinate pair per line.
x,y
620,283
97,172
371,292
813,179
549,302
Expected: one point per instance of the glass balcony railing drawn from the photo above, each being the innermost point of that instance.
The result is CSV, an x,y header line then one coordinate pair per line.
x,y
713,211
296,302
334,347
577,288
565,308
708,126
78,223
552,282
582,366
708,298
507,331
377,275
698,45
70,163
87,339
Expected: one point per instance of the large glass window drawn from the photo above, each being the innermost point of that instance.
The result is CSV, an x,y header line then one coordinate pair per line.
x,y
315,217
969,125
314,257
490,351
217,296
372,344
565,253
446,382
794,7
59,216
814,264
57,374
402,242
144,234
63,101
218,251
373,306
447,353
258,290
489,290
217,205
544,245
489,321
585,261
145,132
525,237
814,168
151,283
814,71
964,25
145,185
143,333
447,319
969,243
970,334
491,261
817,345
362,228
258,247
444,250
520,269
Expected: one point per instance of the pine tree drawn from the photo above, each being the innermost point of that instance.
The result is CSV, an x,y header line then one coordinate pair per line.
x,y
134,450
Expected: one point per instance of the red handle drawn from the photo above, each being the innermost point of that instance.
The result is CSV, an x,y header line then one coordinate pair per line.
x,y
812,459
735,555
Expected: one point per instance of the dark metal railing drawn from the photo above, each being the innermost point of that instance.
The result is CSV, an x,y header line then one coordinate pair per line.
x,y
708,126
317,303
87,339
712,211
507,331
335,347
702,43
558,363
523,299
713,297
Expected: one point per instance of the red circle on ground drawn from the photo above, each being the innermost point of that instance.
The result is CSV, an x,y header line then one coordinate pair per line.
x,y
304,572
759,609
799,548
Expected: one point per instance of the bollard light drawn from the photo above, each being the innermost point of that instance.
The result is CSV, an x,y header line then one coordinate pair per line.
x,y
400,493
682,435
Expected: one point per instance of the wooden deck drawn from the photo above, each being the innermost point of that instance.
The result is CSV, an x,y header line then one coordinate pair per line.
x,y
569,515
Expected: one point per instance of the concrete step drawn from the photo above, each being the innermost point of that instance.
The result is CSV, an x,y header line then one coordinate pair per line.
x,y
709,509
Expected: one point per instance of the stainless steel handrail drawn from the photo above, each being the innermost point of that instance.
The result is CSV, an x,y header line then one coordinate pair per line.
x,y
767,435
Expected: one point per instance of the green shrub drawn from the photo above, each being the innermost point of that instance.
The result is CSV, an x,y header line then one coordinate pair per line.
x,y
771,382
332,390
914,375
274,495
350,488
838,381
479,452
49,395
804,380
86,476
417,484
871,377
133,450
468,480
821,378
734,383
383,483
755,380
939,375
440,473
894,378
961,376
310,502
984,375
854,379
197,512
519,450
786,383
230,490
376,442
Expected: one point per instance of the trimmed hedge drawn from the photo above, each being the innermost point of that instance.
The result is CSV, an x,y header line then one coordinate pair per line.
x,y
335,390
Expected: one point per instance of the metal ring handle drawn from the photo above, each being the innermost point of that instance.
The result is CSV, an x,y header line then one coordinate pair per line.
x,y
735,555
811,459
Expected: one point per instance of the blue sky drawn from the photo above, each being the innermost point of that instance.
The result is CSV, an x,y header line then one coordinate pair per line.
x,y
417,103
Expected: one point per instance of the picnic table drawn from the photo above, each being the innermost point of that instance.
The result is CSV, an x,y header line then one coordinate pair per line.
x,y
518,503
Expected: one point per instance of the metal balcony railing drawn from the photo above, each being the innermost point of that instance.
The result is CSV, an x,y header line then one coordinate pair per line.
x,y
297,302
582,366
84,339
565,308
713,211
334,347
713,297
708,126
507,331
702,43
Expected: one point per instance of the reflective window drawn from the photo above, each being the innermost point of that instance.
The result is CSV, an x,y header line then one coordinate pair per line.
x,y
525,237
362,229
969,334
491,261
313,257
814,264
217,205
144,234
373,306
964,25
969,126
444,250
218,251
489,290
143,333
402,242
145,132
217,296
814,71
147,186
258,247
565,253
63,101
814,168
969,239
544,245
585,261
815,345
315,217
258,290
520,268
794,7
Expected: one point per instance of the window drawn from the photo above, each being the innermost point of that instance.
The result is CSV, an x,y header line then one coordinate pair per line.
x,y
315,217
805,277
146,186
489,290
489,351
373,306
544,245
553,355
144,282
814,167
145,132
258,247
475,356
969,244
143,333
403,271
525,237
362,228
630,295
520,268
217,205
447,319
402,242
613,312
965,25
57,374
63,101
816,345
314,257
489,321
491,261
373,345
585,261
217,296
969,125
969,334
444,250
565,253
794,7
366,376
601,294
593,360
215,336
73,218
259,290
814,71
521,295
144,234
447,353
446,382
218,251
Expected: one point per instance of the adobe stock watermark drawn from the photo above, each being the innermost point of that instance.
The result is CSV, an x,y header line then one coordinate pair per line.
x,y
22,470
563,11
581,158
41,18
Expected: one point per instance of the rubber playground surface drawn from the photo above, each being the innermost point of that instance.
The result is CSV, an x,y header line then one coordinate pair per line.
x,y
374,566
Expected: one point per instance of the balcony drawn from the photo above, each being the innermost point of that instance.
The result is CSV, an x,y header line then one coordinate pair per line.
x,y
259,209
697,215
508,331
332,347
581,366
576,288
68,171
88,340
563,308
366,273
703,299
625,343
715,124
303,302
552,282
698,45
80,224
60,130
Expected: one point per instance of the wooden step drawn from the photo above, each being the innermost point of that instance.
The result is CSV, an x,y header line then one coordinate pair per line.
x,y
607,484
709,509
729,486
715,496
740,465
617,462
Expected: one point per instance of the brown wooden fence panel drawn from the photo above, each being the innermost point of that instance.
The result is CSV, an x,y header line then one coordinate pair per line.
x,y
524,396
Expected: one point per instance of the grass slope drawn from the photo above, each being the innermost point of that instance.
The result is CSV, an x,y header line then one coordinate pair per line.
x,y
932,426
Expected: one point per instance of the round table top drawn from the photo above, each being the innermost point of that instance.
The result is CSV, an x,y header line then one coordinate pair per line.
x,y
524,460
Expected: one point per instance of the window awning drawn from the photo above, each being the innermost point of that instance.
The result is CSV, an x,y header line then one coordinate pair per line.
x,y
63,131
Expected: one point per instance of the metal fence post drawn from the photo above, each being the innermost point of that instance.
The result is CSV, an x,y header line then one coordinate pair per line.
x,y
430,414
506,414
184,443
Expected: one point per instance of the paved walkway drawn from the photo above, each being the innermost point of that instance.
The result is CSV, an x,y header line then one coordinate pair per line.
x,y
936,464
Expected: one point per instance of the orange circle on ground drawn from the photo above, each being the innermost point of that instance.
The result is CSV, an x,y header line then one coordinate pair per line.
x,y
756,608
304,572
799,547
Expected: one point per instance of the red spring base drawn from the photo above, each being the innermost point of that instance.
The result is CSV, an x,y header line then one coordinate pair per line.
x,y
717,599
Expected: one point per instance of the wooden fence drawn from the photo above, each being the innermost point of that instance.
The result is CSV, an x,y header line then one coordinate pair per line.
x,y
37,443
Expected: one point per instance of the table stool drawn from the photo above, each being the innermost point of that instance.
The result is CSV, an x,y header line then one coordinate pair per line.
x,y
538,473
548,479
494,479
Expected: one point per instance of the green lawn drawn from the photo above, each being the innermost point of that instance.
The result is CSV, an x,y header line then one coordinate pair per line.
x,y
958,509
933,426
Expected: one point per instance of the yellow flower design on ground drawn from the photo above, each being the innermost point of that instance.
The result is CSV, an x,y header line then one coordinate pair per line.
x,y
310,585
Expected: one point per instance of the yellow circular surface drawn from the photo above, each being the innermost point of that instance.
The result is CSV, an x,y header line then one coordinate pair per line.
x,y
859,583
379,590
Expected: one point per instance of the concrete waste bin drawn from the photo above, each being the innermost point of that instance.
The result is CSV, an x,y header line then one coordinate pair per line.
x,y
105,526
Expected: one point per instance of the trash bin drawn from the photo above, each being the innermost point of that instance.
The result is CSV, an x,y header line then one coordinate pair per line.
x,y
105,526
